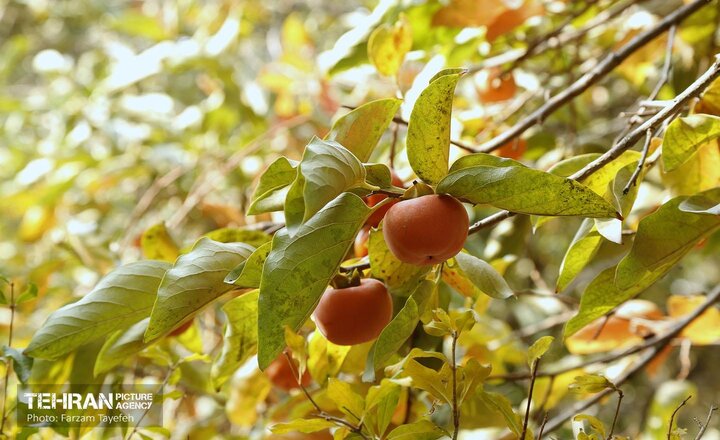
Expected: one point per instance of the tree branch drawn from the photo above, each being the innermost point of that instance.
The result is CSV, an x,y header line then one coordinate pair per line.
x,y
674,413
607,65
661,343
628,141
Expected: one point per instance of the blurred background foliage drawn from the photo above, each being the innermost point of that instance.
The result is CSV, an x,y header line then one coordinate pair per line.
x,y
119,115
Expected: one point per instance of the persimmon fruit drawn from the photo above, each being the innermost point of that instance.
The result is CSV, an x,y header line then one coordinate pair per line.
x,y
372,200
282,375
426,230
356,314
493,87
361,242
182,329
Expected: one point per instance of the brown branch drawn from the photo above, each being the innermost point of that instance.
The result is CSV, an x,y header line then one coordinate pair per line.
x,y
628,141
455,407
661,343
536,365
617,412
604,67
674,413
707,423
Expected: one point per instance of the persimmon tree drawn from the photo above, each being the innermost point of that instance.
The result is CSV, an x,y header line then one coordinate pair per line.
x,y
511,233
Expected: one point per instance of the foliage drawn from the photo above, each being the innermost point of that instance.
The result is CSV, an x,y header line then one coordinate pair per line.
x,y
209,164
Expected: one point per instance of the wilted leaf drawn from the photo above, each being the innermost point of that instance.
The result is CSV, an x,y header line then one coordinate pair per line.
x,y
122,298
196,280
428,137
526,191
240,341
685,135
299,268
388,45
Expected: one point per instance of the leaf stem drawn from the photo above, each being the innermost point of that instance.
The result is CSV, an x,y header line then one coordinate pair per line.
x,y
455,407
617,412
536,364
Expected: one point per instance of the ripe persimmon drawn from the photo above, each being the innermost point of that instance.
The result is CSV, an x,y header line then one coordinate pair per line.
x,y
356,314
361,242
182,329
492,86
372,200
282,375
426,230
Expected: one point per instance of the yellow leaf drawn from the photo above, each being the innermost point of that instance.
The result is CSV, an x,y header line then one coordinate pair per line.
x,y
156,244
705,329
388,45
701,172
36,221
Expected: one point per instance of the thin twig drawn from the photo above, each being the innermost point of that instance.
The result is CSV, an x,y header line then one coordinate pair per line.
x,y
617,412
536,365
674,413
455,407
542,426
604,67
320,413
703,428
159,390
641,163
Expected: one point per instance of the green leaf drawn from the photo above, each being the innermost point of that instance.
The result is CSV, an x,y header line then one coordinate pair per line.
x,y
595,423
236,235
360,130
29,294
582,250
157,244
122,298
386,267
428,136
388,45
269,195
484,276
22,364
302,425
700,204
299,268
663,238
498,403
526,191
420,430
700,173
249,272
381,403
240,341
538,349
685,135
483,159
327,169
196,280
402,326
120,346
590,383
346,399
